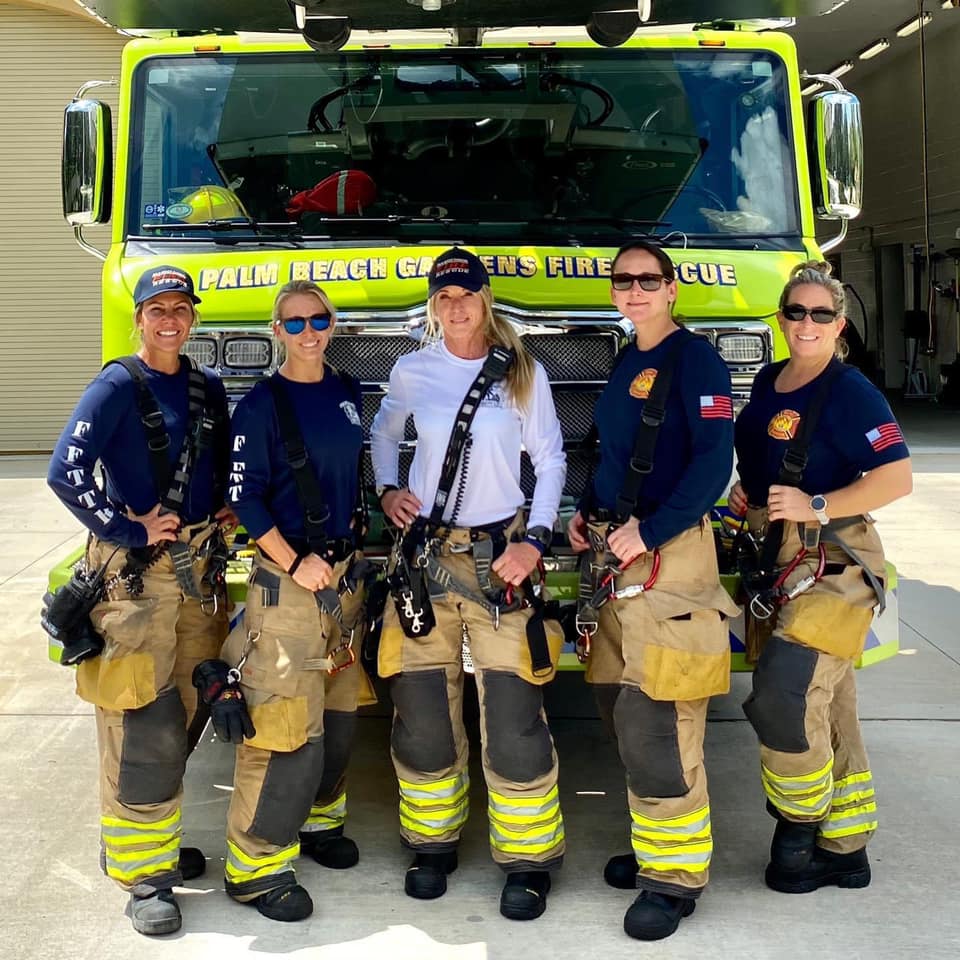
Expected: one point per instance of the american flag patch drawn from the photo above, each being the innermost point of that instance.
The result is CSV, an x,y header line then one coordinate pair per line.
x,y
717,407
886,435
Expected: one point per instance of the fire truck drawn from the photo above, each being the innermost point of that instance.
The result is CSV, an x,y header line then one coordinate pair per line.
x,y
542,136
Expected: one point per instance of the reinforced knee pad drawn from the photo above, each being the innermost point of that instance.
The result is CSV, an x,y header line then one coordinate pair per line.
x,y
519,747
289,786
649,744
338,727
422,736
777,706
154,753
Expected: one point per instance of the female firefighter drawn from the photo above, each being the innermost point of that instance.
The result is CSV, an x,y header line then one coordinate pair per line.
x,y
817,449
294,482
159,426
462,593
651,614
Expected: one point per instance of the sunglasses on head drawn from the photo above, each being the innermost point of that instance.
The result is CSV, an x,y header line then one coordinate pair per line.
x,y
647,281
797,311
295,325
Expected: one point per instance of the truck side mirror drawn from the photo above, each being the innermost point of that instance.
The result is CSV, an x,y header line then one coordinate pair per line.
x,y
835,144
87,165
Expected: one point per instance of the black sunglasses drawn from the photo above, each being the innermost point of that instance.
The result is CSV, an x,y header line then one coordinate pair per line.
x,y
647,281
797,311
295,325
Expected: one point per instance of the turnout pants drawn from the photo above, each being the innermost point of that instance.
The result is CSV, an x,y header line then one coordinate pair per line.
x,y
429,743
147,712
292,775
813,764
655,661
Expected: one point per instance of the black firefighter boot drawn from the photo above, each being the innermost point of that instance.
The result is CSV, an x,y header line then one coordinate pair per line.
x,y
654,916
330,848
798,865
426,877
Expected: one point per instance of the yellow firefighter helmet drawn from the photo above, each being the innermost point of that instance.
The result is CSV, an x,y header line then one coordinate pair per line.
x,y
209,202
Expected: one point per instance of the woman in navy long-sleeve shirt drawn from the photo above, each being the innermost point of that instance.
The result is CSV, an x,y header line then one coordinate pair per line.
x,y
155,626
659,652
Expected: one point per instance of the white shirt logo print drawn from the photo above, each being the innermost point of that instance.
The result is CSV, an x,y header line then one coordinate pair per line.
x,y
236,470
350,412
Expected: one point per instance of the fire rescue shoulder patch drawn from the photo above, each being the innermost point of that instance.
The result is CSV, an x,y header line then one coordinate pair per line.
x,y
642,383
783,425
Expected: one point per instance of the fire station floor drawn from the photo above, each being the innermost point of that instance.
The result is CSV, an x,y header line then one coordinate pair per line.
x,y
56,904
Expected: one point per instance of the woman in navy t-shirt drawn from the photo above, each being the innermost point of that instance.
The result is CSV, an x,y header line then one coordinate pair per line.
x,y
827,575
304,614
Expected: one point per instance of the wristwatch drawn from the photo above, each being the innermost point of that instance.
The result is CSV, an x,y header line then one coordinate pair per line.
x,y
385,488
539,537
818,504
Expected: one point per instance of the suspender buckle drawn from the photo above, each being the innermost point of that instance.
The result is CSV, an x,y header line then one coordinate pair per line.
x,y
342,656
158,444
641,465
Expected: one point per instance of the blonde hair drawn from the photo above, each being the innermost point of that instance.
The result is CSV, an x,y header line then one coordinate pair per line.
x,y
294,287
289,289
818,273
496,330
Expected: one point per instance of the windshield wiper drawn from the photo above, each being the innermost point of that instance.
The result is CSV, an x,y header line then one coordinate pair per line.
x,y
286,231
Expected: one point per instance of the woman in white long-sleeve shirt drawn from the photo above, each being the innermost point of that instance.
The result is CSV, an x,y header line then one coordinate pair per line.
x,y
463,592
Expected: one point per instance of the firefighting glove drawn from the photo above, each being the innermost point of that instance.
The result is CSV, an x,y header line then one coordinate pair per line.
x,y
228,708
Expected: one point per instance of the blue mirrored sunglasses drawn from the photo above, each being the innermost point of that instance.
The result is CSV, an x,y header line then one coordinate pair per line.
x,y
295,325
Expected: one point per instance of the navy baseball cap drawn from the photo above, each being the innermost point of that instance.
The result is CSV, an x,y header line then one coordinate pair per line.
x,y
163,279
456,267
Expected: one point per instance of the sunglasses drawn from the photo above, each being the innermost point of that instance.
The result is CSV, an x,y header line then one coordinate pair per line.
x,y
647,281
797,311
295,325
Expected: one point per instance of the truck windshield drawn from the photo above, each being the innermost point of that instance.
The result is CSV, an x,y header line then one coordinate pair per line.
x,y
570,145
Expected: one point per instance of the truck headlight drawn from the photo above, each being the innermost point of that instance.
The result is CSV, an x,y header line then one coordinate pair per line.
x,y
202,350
247,353
741,348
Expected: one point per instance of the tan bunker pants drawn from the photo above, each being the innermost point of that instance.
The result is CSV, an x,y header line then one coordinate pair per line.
x,y
429,743
803,707
147,711
655,661
291,775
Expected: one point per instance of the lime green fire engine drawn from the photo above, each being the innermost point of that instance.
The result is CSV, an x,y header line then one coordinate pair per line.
x,y
353,158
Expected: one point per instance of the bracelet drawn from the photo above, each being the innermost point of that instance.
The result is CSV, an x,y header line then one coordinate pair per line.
x,y
292,569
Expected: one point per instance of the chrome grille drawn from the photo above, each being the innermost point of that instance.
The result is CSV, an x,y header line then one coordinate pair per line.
x,y
569,356
368,356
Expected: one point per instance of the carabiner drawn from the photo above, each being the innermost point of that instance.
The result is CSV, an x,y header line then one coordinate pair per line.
x,y
344,647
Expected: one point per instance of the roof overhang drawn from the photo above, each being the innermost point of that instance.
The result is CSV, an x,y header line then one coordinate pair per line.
x,y
232,16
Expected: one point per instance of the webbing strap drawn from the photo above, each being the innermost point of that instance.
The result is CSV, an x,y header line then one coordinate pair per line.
x,y
651,419
183,567
172,485
796,455
316,513
495,368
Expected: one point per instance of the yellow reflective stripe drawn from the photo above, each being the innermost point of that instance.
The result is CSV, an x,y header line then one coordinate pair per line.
x,y
809,779
835,833
241,868
118,827
130,856
449,789
328,815
814,809
512,804
855,796
685,853
531,845
663,865
861,819
147,867
533,829
426,800
690,824
433,828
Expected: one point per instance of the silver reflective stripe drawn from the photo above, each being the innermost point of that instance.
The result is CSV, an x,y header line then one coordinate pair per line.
x,y
140,863
426,791
550,807
845,790
857,820
545,836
